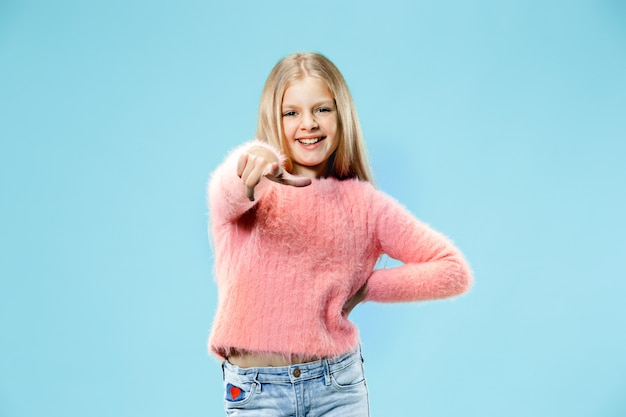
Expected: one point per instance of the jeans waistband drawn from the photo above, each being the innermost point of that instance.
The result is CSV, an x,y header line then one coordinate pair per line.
x,y
292,373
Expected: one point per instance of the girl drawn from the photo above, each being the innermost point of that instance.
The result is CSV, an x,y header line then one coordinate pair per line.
x,y
297,229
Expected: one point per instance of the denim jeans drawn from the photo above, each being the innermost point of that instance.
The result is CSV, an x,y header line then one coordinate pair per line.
x,y
330,388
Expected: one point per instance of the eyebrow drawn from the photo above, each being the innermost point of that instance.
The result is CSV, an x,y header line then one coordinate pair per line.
x,y
327,102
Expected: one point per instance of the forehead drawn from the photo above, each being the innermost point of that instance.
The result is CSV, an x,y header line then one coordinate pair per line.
x,y
307,87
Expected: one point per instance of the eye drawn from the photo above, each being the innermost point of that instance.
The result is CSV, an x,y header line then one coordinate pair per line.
x,y
324,110
289,113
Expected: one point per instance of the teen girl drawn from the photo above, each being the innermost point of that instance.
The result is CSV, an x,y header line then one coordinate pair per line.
x,y
297,229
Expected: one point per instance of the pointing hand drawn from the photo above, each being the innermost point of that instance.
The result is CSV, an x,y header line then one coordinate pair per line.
x,y
260,162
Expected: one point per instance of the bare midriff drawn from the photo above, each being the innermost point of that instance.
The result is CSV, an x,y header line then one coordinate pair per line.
x,y
261,360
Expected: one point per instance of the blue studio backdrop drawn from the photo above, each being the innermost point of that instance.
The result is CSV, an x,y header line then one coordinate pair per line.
x,y
500,123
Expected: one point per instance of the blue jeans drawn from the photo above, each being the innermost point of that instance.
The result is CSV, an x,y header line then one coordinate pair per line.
x,y
330,388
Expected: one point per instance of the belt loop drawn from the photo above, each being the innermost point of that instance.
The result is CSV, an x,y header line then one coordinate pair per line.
x,y
256,381
326,372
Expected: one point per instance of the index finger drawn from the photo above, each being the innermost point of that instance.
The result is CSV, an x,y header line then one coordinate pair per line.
x,y
288,179
296,181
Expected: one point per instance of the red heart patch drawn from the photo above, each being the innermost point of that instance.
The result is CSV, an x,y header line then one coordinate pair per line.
x,y
234,392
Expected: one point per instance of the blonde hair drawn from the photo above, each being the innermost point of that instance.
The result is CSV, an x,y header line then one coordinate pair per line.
x,y
350,159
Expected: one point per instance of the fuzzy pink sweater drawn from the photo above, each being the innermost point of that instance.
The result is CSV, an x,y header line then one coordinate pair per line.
x,y
286,263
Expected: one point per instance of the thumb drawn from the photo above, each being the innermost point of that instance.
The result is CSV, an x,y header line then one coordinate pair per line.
x,y
273,171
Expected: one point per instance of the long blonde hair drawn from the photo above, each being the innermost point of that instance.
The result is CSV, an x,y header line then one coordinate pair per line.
x,y
350,159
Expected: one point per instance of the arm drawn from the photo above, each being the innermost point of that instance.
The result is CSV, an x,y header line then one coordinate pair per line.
x,y
433,266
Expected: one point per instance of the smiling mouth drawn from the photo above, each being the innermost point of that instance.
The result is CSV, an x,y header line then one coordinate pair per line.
x,y
311,141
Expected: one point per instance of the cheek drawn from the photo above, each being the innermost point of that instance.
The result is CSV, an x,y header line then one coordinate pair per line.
x,y
331,125
289,128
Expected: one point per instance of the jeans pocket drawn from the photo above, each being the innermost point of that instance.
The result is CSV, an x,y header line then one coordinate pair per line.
x,y
238,394
348,377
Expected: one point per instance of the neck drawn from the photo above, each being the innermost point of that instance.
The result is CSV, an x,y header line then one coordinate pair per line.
x,y
313,172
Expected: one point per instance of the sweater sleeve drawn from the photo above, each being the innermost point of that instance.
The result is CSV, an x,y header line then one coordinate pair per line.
x,y
432,266
226,192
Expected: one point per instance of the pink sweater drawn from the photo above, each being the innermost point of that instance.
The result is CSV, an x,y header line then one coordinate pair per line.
x,y
286,263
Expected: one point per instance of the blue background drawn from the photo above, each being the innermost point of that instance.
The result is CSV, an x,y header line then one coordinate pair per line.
x,y
500,123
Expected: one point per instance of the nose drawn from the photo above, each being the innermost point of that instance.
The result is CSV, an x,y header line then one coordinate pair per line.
x,y
309,122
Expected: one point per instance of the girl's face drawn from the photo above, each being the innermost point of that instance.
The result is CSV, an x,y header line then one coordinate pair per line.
x,y
310,124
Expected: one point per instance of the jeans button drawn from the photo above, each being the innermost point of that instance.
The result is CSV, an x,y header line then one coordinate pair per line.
x,y
296,372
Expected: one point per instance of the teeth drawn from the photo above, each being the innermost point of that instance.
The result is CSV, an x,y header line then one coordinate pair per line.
x,y
309,141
